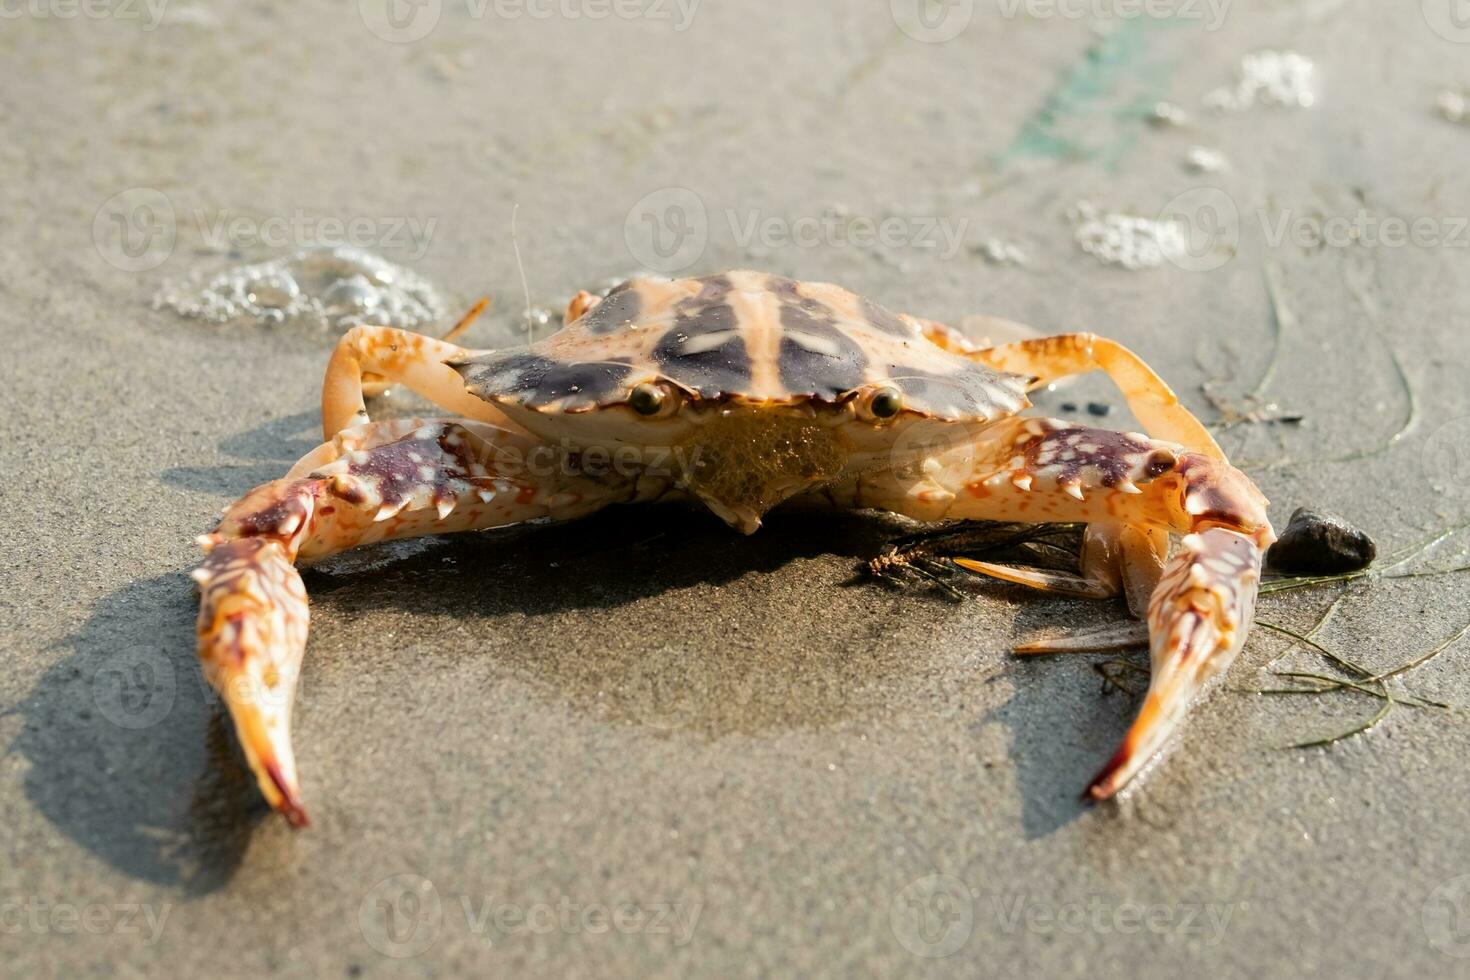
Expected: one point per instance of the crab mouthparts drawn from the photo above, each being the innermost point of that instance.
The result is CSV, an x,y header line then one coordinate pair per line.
x,y
743,464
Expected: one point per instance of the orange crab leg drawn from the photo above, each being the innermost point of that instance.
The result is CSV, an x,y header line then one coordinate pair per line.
x,y
369,359
1149,397
1198,621
1041,470
396,479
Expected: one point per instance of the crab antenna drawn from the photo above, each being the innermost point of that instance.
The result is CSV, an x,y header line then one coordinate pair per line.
x,y
467,319
515,245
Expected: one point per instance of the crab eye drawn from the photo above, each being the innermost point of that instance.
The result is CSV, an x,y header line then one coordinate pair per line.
x,y
652,399
884,403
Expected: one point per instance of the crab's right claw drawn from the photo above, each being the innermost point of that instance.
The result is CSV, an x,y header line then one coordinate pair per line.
x,y
1198,619
252,634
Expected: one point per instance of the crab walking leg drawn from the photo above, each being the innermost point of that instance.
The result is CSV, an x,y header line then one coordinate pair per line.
x,y
580,305
395,479
374,385
1197,622
1149,397
1040,470
1116,559
376,357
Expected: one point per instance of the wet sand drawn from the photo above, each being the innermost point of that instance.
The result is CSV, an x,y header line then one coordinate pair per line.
x,y
645,745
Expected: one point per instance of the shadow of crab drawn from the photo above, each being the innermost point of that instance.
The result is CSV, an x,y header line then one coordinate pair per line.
x,y
682,628
128,752
658,616
1063,720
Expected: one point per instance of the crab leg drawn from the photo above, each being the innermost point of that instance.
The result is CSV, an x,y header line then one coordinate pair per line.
x,y
369,359
1149,397
394,479
1048,359
1197,622
1116,559
1041,470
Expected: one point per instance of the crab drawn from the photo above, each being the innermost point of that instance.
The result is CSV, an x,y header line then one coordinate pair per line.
x,y
741,391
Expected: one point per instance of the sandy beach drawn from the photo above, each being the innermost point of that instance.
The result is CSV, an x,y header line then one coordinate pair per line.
x,y
644,745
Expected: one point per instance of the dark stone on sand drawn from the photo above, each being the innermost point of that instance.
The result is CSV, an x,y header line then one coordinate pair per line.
x,y
1320,544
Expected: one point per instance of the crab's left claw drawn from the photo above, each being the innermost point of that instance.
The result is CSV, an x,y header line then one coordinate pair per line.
x,y
1198,619
252,634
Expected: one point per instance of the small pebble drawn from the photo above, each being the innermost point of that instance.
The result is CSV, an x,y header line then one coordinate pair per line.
x,y
1168,114
1451,105
1203,160
999,252
1320,544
